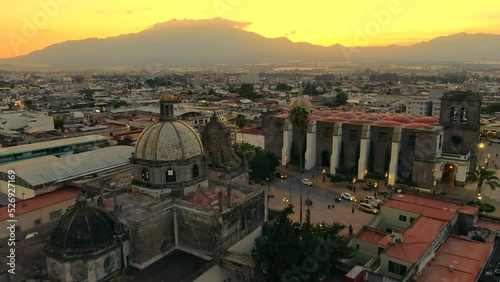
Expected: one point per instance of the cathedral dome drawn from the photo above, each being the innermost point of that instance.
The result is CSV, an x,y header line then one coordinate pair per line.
x,y
167,98
83,230
168,141
301,101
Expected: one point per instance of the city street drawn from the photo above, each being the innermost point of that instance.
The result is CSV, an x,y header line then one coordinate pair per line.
x,y
322,195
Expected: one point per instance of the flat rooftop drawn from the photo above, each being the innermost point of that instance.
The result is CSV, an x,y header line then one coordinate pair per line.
x,y
466,258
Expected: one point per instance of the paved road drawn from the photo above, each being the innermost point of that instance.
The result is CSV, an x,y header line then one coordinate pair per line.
x,y
322,195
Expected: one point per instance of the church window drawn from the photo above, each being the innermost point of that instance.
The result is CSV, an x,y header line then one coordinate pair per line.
x,y
145,175
464,115
411,140
453,114
196,173
170,175
327,132
382,137
353,135
107,264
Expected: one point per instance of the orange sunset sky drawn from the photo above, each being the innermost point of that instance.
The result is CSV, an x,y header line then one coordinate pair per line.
x,y
34,24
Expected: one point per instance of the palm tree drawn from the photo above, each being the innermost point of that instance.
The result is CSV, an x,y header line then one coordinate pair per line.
x,y
241,121
484,176
298,116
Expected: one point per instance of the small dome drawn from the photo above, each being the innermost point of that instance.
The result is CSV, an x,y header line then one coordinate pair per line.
x,y
166,98
400,119
168,141
428,120
302,102
83,230
346,115
388,123
418,125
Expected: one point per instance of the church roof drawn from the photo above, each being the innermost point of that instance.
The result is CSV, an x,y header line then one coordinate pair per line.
x,y
302,102
83,230
168,141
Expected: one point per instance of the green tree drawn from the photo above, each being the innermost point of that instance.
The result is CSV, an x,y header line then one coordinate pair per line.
x,y
289,251
241,121
283,87
127,141
262,163
341,98
299,117
118,103
484,176
247,91
492,108
58,123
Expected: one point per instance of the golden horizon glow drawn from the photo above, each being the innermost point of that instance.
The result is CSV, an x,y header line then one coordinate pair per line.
x,y
39,23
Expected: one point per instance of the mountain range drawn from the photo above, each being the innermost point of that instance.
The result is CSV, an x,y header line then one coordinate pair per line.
x,y
198,43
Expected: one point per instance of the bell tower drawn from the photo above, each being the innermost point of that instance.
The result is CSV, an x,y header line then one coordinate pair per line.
x,y
460,117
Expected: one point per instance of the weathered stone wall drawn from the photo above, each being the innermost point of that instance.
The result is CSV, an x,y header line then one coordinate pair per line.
x,y
324,131
242,220
405,159
198,230
381,138
273,134
351,136
152,237
217,145
91,269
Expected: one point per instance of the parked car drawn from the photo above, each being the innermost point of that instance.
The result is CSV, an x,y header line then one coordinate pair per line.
x,y
31,235
347,196
306,181
368,199
368,208
280,175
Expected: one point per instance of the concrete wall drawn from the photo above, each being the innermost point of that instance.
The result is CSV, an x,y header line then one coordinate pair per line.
x,y
350,146
381,148
26,221
324,131
273,134
92,269
405,160
198,231
151,238
366,251
390,219
384,266
253,139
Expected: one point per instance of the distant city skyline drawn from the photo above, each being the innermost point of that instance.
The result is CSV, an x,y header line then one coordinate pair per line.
x,y
40,23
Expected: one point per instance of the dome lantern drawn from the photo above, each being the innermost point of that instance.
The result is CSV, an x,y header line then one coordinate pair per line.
x,y
167,107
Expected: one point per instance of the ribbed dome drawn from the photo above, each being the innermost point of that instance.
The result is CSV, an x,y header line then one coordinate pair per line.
x,y
302,102
83,230
166,98
168,141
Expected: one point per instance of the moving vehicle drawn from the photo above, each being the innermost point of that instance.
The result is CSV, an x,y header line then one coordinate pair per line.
x,y
280,175
367,208
347,196
31,235
306,181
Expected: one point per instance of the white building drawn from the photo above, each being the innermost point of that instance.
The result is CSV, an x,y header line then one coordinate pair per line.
x,y
27,122
419,107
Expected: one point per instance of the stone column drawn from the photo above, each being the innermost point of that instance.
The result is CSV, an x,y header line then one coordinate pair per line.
x,y
310,156
287,142
395,147
364,151
336,146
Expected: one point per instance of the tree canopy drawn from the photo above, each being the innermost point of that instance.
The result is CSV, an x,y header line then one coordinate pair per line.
x,y
289,251
341,98
261,163
247,91
484,176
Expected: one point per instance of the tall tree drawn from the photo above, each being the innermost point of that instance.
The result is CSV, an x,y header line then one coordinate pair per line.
x,y
288,251
299,117
484,176
241,121
341,98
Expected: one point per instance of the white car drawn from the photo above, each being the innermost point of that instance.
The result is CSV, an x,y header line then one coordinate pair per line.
x,y
347,196
306,181
31,235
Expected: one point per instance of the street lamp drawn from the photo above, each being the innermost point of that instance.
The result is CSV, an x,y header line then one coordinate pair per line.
x,y
323,172
353,201
353,185
386,178
376,188
479,196
286,161
267,180
285,200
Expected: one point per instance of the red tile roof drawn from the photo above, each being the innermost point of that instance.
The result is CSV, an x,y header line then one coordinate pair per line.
x,y
41,201
488,224
416,240
371,236
433,208
466,257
